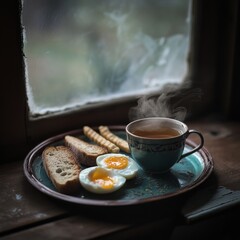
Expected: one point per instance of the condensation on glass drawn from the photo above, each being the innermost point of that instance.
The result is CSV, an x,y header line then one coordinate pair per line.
x,y
79,52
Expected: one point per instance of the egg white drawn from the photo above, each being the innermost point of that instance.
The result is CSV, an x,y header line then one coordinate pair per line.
x,y
94,187
129,172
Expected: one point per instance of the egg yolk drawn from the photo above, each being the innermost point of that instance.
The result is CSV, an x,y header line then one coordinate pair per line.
x,y
100,177
116,162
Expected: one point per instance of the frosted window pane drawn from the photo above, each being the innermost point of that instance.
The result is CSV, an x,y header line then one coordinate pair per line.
x,y
79,52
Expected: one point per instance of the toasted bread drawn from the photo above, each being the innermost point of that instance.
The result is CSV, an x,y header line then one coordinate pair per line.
x,y
62,168
85,152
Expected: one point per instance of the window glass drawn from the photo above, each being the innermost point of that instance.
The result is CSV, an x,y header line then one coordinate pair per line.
x,y
79,52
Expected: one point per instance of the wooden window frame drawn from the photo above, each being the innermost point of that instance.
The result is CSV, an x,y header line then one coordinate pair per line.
x,y
19,133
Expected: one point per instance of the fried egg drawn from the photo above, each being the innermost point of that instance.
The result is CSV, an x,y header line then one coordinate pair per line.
x,y
119,163
100,180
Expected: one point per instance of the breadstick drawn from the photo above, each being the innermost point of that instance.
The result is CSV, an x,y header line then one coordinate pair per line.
x,y
100,140
121,143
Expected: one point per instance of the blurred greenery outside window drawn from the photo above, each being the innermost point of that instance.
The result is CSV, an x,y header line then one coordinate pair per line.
x,y
81,52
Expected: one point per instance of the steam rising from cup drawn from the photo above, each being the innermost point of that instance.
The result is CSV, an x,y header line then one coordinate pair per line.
x,y
170,102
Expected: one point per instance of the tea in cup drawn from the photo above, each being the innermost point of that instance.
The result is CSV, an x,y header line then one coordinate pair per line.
x,y
157,143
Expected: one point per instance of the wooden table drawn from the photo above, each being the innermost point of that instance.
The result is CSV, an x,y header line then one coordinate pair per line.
x,y
26,213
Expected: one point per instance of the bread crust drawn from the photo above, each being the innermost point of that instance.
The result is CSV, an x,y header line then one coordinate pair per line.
x,y
62,168
86,153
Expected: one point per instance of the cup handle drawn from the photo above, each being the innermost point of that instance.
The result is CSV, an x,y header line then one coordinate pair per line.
x,y
199,146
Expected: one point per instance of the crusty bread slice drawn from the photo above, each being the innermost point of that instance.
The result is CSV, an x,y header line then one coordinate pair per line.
x,y
62,168
86,152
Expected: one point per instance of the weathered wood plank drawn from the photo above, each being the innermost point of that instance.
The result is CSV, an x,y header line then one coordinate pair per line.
x,y
209,201
20,203
80,227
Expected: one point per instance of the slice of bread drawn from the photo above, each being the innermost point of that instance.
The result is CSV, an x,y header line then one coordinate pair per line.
x,y
62,168
86,152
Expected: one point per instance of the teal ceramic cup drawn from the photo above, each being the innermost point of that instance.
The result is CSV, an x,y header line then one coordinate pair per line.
x,y
157,143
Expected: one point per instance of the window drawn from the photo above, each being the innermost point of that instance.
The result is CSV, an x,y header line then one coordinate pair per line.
x,y
84,52
213,65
